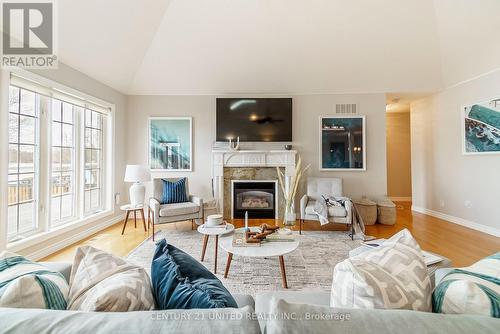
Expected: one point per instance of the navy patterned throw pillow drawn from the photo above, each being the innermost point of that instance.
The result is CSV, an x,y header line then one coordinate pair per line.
x,y
174,192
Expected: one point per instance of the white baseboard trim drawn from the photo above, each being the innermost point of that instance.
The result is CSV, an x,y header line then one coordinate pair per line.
x,y
401,199
459,221
46,251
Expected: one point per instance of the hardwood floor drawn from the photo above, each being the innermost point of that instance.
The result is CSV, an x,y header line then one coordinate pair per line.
x,y
462,245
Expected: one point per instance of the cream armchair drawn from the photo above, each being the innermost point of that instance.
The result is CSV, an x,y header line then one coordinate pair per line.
x,y
316,187
171,213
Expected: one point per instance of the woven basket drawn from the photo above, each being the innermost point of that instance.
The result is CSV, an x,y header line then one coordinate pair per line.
x,y
367,210
386,212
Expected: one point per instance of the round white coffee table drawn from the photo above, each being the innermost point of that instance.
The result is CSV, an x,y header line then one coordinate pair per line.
x,y
207,232
266,249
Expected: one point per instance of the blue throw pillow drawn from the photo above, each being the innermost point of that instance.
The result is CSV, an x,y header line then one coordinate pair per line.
x,y
174,192
181,282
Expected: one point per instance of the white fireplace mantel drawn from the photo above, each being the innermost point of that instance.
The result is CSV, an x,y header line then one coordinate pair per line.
x,y
249,158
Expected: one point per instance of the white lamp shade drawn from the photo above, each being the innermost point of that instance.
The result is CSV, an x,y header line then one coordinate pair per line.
x,y
137,173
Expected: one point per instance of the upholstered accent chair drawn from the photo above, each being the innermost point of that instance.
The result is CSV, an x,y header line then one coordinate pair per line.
x,y
171,213
317,186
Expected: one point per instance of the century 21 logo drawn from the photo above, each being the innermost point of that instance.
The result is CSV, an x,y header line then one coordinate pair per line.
x,y
28,28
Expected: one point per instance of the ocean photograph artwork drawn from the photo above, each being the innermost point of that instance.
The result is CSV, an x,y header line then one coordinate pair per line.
x,y
482,127
170,143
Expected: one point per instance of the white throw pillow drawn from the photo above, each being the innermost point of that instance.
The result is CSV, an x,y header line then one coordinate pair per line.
x,y
470,290
27,284
103,282
391,276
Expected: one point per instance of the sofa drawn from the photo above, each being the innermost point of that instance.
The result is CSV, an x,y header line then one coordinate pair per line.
x,y
272,312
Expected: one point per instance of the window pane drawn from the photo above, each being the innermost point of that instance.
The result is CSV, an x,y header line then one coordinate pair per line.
x,y
12,189
67,159
55,205
95,199
67,135
56,110
96,138
88,178
56,159
13,128
26,187
12,219
26,158
88,118
13,154
88,138
67,113
13,99
27,130
56,184
66,206
28,103
87,201
95,160
26,217
56,134
67,183
96,120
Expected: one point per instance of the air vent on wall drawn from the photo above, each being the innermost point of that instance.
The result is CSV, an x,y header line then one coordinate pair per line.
x,y
346,108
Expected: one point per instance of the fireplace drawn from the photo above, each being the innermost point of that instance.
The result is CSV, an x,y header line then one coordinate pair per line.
x,y
257,197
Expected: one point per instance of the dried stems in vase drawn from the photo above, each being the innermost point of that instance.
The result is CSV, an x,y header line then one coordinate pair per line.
x,y
292,187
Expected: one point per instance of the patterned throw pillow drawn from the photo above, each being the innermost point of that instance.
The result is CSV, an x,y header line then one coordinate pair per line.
x,y
470,290
391,276
174,192
27,284
106,283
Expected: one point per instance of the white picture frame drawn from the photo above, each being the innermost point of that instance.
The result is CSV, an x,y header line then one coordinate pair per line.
x,y
322,166
174,133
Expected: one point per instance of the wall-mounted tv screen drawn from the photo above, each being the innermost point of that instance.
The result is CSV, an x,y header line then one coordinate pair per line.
x,y
254,119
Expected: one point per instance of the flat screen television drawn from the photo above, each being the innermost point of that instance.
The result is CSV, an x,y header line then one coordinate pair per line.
x,y
254,119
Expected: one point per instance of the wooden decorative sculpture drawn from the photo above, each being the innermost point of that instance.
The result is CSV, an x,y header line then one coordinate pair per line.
x,y
257,237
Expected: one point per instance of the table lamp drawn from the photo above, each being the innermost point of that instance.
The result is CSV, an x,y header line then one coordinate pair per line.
x,y
137,174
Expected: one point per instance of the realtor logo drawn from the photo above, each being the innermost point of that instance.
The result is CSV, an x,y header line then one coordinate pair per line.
x,y
28,34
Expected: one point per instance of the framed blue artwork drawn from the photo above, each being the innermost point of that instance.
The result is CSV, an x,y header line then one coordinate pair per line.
x,y
481,128
170,143
342,143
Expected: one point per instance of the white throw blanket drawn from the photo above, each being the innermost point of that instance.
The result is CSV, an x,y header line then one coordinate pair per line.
x,y
321,209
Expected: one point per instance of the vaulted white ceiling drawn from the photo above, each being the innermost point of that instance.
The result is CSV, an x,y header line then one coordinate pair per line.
x,y
279,46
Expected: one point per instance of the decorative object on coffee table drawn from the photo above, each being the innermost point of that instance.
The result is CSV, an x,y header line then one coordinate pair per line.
x,y
133,208
289,216
266,249
258,236
367,209
207,231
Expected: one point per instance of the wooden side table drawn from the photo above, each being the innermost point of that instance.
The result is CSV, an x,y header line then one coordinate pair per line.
x,y
207,232
133,208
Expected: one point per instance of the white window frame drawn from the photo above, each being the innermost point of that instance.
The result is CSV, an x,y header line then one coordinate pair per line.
x,y
54,90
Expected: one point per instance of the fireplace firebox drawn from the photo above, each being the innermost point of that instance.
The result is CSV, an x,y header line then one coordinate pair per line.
x,y
259,198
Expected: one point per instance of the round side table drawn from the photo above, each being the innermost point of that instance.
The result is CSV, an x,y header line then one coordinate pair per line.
x,y
207,232
133,208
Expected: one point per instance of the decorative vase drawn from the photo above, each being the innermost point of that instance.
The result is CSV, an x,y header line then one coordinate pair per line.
x,y
289,218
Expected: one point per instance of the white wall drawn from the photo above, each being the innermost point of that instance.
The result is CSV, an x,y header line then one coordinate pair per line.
x,y
443,179
307,109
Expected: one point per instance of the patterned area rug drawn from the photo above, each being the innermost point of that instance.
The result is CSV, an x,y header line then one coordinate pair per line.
x,y
308,267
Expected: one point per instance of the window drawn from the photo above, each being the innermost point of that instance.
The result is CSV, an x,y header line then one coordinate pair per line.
x,y
23,173
58,162
63,162
93,159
